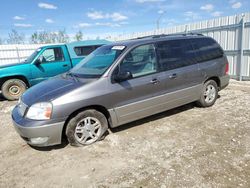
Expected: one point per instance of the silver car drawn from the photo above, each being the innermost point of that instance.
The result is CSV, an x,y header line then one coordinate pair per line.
x,y
120,83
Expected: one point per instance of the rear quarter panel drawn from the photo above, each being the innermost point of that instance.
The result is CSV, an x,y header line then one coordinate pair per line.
x,y
212,68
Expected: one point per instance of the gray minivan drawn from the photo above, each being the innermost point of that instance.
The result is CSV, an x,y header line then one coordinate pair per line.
x,y
120,83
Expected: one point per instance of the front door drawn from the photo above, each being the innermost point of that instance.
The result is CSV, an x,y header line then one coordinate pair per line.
x,y
133,99
52,62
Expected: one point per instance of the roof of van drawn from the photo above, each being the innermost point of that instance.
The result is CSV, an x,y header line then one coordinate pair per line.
x,y
155,38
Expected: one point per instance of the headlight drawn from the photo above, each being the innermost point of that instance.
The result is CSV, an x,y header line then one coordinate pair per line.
x,y
40,111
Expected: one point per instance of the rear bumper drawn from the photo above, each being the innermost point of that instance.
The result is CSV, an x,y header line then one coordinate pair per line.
x,y
224,81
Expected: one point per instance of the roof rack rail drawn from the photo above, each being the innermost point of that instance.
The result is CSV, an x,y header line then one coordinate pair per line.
x,y
165,35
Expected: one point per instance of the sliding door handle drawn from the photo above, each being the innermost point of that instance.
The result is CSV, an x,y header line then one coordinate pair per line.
x,y
173,76
154,81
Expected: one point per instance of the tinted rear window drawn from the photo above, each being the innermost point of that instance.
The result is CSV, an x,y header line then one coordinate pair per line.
x,y
85,50
175,54
207,49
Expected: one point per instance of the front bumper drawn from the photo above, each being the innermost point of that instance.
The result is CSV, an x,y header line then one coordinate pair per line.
x,y
36,134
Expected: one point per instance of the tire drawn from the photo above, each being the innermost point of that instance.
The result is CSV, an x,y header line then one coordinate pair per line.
x,y
209,94
12,89
86,128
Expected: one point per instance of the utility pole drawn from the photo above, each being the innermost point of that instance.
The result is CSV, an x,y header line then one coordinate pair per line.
x,y
158,20
241,46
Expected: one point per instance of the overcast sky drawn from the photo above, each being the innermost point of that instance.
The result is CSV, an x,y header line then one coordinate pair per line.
x,y
102,17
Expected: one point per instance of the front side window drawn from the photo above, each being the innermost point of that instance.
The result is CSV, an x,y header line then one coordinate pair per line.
x,y
95,64
140,61
85,50
33,55
52,55
175,54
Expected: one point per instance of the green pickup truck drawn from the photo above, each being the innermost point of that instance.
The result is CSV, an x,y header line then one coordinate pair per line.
x,y
45,62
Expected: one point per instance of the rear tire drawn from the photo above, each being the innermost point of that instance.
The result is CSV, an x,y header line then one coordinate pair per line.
x,y
86,128
12,89
209,94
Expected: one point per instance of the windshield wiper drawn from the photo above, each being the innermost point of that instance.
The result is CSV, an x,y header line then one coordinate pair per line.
x,y
75,77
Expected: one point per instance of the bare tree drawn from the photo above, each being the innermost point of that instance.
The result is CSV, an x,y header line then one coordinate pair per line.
x,y
15,37
78,36
49,37
62,36
53,37
42,37
35,38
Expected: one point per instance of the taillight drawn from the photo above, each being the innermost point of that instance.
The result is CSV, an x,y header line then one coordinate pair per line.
x,y
227,68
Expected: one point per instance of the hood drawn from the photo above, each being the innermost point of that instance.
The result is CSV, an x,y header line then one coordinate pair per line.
x,y
52,89
13,64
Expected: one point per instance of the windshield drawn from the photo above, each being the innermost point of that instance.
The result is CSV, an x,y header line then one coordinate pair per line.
x,y
33,55
95,64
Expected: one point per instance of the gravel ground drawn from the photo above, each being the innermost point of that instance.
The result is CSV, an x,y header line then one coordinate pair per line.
x,y
183,147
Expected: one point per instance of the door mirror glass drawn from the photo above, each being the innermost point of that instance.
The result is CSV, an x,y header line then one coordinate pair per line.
x,y
123,76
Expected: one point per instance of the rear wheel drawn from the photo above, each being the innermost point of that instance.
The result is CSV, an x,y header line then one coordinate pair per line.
x,y
12,89
86,128
209,94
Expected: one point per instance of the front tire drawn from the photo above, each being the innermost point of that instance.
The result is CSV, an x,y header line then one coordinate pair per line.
x,y
12,89
86,128
209,94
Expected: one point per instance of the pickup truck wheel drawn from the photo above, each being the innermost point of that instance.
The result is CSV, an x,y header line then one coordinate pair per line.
x,y
209,94
12,89
86,128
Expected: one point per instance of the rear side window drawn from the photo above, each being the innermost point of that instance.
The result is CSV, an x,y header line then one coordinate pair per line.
x,y
175,54
206,49
85,50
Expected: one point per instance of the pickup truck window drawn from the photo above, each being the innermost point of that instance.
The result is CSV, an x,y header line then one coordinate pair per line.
x,y
52,55
85,50
94,65
33,55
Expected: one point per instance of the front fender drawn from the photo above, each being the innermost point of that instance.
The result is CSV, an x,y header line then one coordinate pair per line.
x,y
21,71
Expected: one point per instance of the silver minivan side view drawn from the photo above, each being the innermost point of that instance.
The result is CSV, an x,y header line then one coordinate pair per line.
x,y
120,83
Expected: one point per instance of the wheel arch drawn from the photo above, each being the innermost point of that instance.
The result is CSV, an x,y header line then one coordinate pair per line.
x,y
21,77
216,79
99,108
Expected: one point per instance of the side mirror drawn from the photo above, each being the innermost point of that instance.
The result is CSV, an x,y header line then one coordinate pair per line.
x,y
39,60
123,76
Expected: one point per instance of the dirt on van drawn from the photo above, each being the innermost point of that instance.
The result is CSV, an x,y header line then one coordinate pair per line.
x,y
184,147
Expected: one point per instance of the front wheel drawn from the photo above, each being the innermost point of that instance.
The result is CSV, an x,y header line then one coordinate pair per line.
x,y
12,89
209,94
86,128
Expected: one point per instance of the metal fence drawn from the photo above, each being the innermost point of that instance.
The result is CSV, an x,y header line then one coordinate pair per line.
x,y
232,33
17,53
